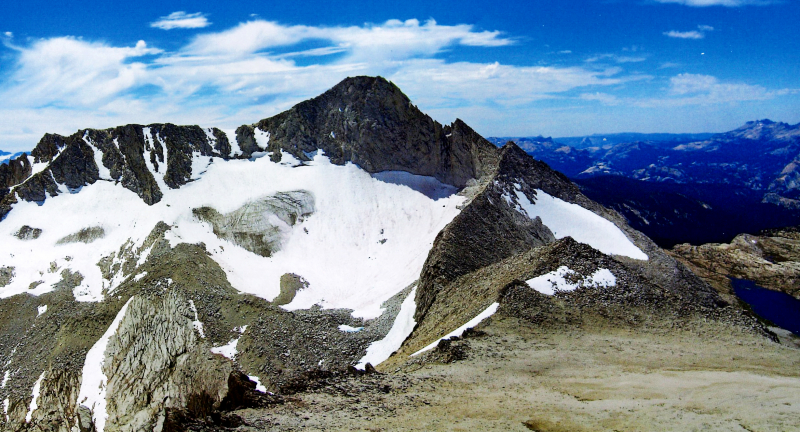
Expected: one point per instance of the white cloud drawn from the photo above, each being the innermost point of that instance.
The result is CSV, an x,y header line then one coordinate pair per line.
x,y
440,84
695,90
181,20
727,3
693,34
616,58
393,39
8,34
684,35
69,71
604,98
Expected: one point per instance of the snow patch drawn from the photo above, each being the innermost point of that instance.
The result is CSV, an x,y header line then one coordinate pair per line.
x,y
5,408
93,381
212,140
459,331
6,376
42,309
158,173
104,173
565,279
262,138
37,167
197,324
37,387
347,329
200,164
571,220
139,276
259,387
404,323
229,350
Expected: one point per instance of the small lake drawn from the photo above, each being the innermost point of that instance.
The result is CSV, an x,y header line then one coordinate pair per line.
x,y
780,308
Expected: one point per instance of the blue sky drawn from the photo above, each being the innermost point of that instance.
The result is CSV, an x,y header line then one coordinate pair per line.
x,y
556,68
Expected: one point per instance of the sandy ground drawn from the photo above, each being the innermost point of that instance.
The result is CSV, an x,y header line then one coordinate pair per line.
x,y
519,378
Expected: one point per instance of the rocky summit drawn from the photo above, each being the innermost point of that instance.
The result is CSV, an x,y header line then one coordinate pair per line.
x,y
303,273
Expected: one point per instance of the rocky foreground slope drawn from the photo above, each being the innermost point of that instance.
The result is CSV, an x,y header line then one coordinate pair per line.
x,y
157,277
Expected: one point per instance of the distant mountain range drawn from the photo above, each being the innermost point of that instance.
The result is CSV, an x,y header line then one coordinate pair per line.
x,y
606,140
686,187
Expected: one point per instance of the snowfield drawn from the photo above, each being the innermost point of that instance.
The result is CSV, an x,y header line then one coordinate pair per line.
x,y
366,241
571,220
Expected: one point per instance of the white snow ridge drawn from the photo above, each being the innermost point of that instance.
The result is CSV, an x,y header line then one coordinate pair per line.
x,y
489,311
571,220
404,323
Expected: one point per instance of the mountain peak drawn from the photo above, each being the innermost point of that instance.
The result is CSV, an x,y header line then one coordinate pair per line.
x,y
765,129
368,121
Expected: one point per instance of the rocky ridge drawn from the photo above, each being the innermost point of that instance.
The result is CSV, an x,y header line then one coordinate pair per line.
x,y
133,156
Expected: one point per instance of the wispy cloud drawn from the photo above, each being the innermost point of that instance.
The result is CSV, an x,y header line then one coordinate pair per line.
x,y
616,58
727,3
695,90
700,33
393,38
693,34
181,20
69,71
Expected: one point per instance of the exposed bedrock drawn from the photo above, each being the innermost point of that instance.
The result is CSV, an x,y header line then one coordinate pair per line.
x,y
261,226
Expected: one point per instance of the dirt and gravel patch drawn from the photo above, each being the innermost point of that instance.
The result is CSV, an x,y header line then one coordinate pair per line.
x,y
520,376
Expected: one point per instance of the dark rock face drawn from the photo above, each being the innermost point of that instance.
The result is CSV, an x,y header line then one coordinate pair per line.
x,y
125,151
487,230
14,172
370,122
28,233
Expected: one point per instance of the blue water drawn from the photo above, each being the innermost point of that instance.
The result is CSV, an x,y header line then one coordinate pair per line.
x,y
780,308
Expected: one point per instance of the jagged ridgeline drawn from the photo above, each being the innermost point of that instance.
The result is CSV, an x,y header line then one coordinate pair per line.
x,y
151,275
